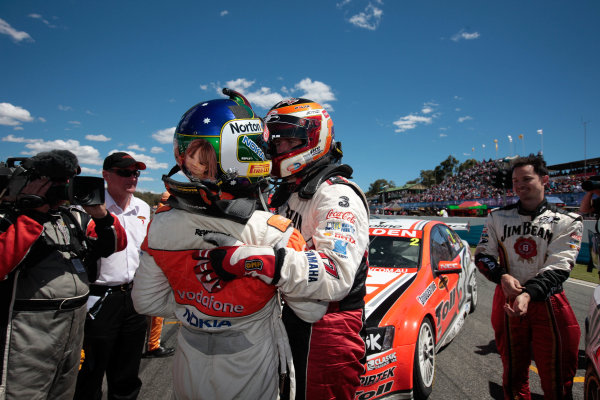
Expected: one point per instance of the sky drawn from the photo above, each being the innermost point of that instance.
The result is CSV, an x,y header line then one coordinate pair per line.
x,y
407,83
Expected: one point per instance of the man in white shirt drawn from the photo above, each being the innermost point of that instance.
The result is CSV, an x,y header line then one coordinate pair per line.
x,y
114,331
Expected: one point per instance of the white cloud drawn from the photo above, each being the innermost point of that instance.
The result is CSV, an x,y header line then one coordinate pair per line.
x,y
316,91
239,84
204,87
136,147
64,108
164,135
224,13
465,118
13,115
85,154
42,119
410,122
45,21
428,107
443,135
150,162
145,178
88,112
462,35
343,3
74,122
265,97
368,19
15,139
97,138
262,97
16,35
90,171
156,150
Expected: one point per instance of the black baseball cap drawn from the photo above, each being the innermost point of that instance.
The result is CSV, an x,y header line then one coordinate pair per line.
x,y
121,160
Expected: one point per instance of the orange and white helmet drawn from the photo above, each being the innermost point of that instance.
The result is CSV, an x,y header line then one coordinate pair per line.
x,y
301,119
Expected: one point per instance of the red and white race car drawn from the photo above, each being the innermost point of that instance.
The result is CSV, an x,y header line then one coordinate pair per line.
x,y
420,287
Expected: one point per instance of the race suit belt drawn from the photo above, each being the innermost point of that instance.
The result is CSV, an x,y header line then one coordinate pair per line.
x,y
100,290
70,303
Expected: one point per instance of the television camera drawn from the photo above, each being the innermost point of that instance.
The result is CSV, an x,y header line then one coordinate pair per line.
x,y
60,166
593,183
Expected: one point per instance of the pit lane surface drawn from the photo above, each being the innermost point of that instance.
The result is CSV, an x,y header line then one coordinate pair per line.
x,y
468,368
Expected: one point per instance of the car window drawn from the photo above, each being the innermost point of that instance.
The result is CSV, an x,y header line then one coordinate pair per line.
x,y
455,241
440,246
394,252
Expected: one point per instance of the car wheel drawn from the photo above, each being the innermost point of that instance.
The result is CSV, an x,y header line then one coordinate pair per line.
x,y
591,387
424,361
473,291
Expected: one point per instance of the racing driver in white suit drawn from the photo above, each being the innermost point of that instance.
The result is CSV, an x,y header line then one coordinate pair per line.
x,y
232,343
331,213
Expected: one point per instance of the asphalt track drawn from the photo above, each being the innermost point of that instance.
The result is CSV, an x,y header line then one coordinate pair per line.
x,y
468,368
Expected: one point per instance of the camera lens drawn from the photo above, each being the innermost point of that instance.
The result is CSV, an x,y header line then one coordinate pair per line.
x,y
590,185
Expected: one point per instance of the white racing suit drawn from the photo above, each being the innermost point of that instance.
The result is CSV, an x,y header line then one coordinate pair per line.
x,y
539,250
334,221
232,342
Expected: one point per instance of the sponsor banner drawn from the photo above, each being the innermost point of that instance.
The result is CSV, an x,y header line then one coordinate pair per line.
x,y
395,232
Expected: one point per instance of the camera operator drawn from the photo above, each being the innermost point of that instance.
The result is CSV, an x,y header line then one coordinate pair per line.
x,y
43,281
589,204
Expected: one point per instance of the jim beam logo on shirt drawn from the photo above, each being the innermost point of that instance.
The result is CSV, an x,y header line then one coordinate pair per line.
x,y
526,228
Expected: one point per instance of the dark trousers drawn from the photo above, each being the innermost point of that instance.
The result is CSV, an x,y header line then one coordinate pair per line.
x,y
113,343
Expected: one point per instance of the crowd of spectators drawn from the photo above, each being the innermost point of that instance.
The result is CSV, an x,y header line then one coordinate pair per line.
x,y
477,183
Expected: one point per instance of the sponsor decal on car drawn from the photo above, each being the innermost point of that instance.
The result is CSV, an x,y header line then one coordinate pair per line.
x,y
395,232
381,361
444,307
392,270
381,389
423,297
372,379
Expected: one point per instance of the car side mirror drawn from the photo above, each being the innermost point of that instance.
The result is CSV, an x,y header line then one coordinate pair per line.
x,y
449,267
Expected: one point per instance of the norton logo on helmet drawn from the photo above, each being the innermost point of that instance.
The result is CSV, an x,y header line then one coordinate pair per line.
x,y
243,126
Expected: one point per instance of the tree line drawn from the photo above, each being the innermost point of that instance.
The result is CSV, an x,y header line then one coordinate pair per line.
x,y
427,178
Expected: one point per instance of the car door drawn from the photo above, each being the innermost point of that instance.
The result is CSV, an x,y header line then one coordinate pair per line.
x,y
443,248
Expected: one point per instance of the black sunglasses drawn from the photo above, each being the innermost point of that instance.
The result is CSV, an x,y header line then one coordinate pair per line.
x,y
126,173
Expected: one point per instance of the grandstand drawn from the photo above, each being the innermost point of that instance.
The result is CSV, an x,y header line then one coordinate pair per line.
x,y
476,184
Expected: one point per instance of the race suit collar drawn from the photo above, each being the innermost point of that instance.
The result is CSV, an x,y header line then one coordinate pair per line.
x,y
539,209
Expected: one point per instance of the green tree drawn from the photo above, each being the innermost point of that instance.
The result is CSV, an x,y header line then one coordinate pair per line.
x,y
427,177
448,166
151,198
468,164
378,186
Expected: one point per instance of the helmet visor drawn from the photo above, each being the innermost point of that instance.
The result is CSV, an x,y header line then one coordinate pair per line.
x,y
287,126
